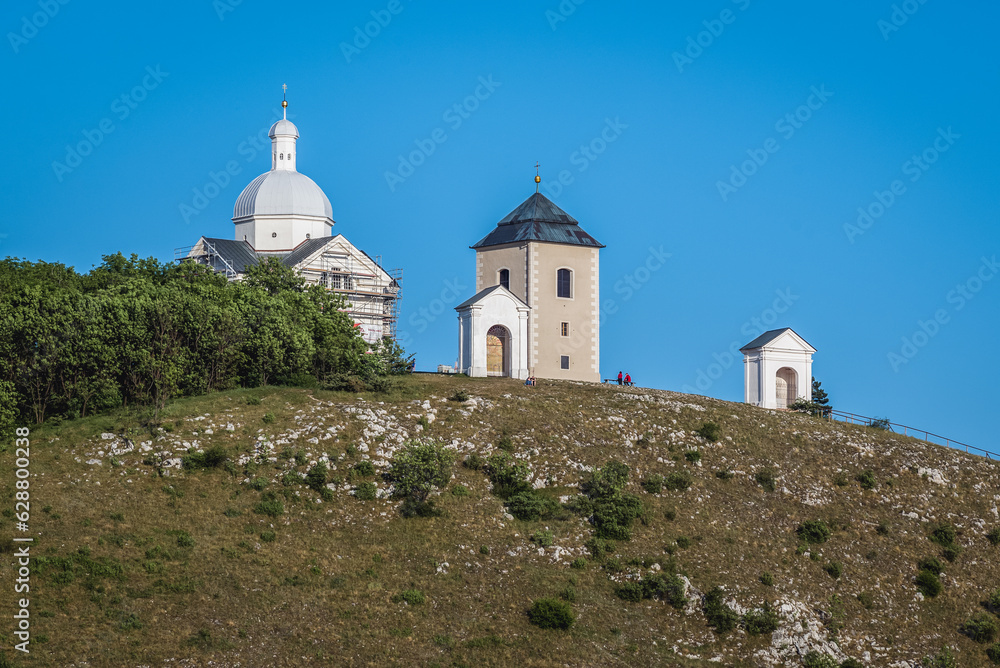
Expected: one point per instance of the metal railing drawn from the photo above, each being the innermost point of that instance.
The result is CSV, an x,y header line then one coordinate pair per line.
x,y
882,423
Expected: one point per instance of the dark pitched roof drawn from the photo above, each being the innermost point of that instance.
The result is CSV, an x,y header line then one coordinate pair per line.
x,y
239,254
538,219
768,337
304,250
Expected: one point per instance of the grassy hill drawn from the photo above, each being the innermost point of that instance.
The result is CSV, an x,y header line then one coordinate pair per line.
x,y
140,562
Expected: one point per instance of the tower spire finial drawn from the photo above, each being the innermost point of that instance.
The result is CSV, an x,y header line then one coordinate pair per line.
x,y
284,101
538,177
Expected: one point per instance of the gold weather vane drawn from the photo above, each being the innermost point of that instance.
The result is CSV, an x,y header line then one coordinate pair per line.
x,y
538,176
284,100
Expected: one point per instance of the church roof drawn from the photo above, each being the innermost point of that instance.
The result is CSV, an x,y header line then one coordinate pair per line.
x,y
238,254
304,250
283,192
486,293
772,336
538,219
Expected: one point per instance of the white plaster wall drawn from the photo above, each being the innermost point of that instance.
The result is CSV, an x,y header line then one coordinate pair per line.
x,y
475,321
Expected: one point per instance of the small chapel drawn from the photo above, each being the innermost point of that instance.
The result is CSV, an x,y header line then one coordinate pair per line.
x,y
536,311
777,369
283,214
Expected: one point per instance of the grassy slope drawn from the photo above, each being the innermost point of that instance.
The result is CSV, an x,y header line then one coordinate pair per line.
x,y
322,592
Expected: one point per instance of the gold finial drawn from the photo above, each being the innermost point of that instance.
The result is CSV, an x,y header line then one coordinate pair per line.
x,y
284,100
538,176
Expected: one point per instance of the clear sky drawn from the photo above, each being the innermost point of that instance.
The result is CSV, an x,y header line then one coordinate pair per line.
x,y
739,137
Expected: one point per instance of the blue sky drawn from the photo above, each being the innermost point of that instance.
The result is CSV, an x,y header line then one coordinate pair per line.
x,y
747,136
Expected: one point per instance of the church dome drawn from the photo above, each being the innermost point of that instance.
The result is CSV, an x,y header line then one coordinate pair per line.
x,y
283,128
283,193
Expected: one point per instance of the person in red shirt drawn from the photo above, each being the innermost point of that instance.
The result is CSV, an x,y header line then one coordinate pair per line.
x,y
628,380
619,377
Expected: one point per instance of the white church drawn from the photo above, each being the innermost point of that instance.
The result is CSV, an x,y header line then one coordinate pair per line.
x,y
777,369
283,214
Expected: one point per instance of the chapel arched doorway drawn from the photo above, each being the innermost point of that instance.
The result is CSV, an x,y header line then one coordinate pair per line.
x,y
786,387
498,351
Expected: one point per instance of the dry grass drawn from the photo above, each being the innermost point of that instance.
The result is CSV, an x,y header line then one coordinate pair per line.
x,y
321,592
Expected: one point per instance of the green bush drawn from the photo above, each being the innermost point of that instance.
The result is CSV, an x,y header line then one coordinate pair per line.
x,y
530,506
834,569
579,563
931,564
882,424
693,456
866,600
268,537
474,462
459,490
710,431
418,469
981,627
551,613
929,584
867,480
678,481
725,474
944,535
366,491
814,531
253,401
505,443
270,505
944,659
316,477
600,548
268,418
993,653
483,549
608,481
660,586
683,542
258,484
767,579
542,538
212,458
613,516
719,615
653,484
993,602
410,597
994,536
758,622
952,552
460,396
365,468
882,529
766,479
509,477
816,659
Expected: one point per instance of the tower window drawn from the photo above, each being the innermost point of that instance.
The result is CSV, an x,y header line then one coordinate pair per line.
x,y
274,235
281,156
564,329
505,278
564,362
564,284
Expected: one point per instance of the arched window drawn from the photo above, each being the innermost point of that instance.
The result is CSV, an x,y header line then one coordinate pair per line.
x,y
505,278
564,284
281,156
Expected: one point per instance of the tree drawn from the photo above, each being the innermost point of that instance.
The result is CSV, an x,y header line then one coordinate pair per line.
x,y
819,395
418,470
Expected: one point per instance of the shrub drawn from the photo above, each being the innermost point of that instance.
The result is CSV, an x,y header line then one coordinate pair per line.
x,y
474,462
928,584
609,480
993,602
944,535
268,537
994,536
418,469
725,474
765,478
579,563
866,600
763,620
867,479
669,588
841,479
719,615
882,424
270,505
258,484
767,579
484,549
993,653
944,659
834,569
268,418
365,468
531,506
816,659
505,443
460,490
952,552
882,529
551,613
460,396
542,538
509,477
710,431
253,401
671,515
981,627
653,484
693,456
212,458
410,597
683,542
366,491
613,516
814,531
931,564
600,548
316,477
678,481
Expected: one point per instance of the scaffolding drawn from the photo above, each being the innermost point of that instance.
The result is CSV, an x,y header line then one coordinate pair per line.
x,y
205,253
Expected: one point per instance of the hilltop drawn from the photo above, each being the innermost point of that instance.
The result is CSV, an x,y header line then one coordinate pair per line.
x,y
236,560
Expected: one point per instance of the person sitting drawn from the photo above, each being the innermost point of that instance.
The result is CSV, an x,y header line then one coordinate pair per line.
x,y
530,382
628,380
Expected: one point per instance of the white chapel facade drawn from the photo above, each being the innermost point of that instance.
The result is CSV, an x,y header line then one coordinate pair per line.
x,y
536,311
777,369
